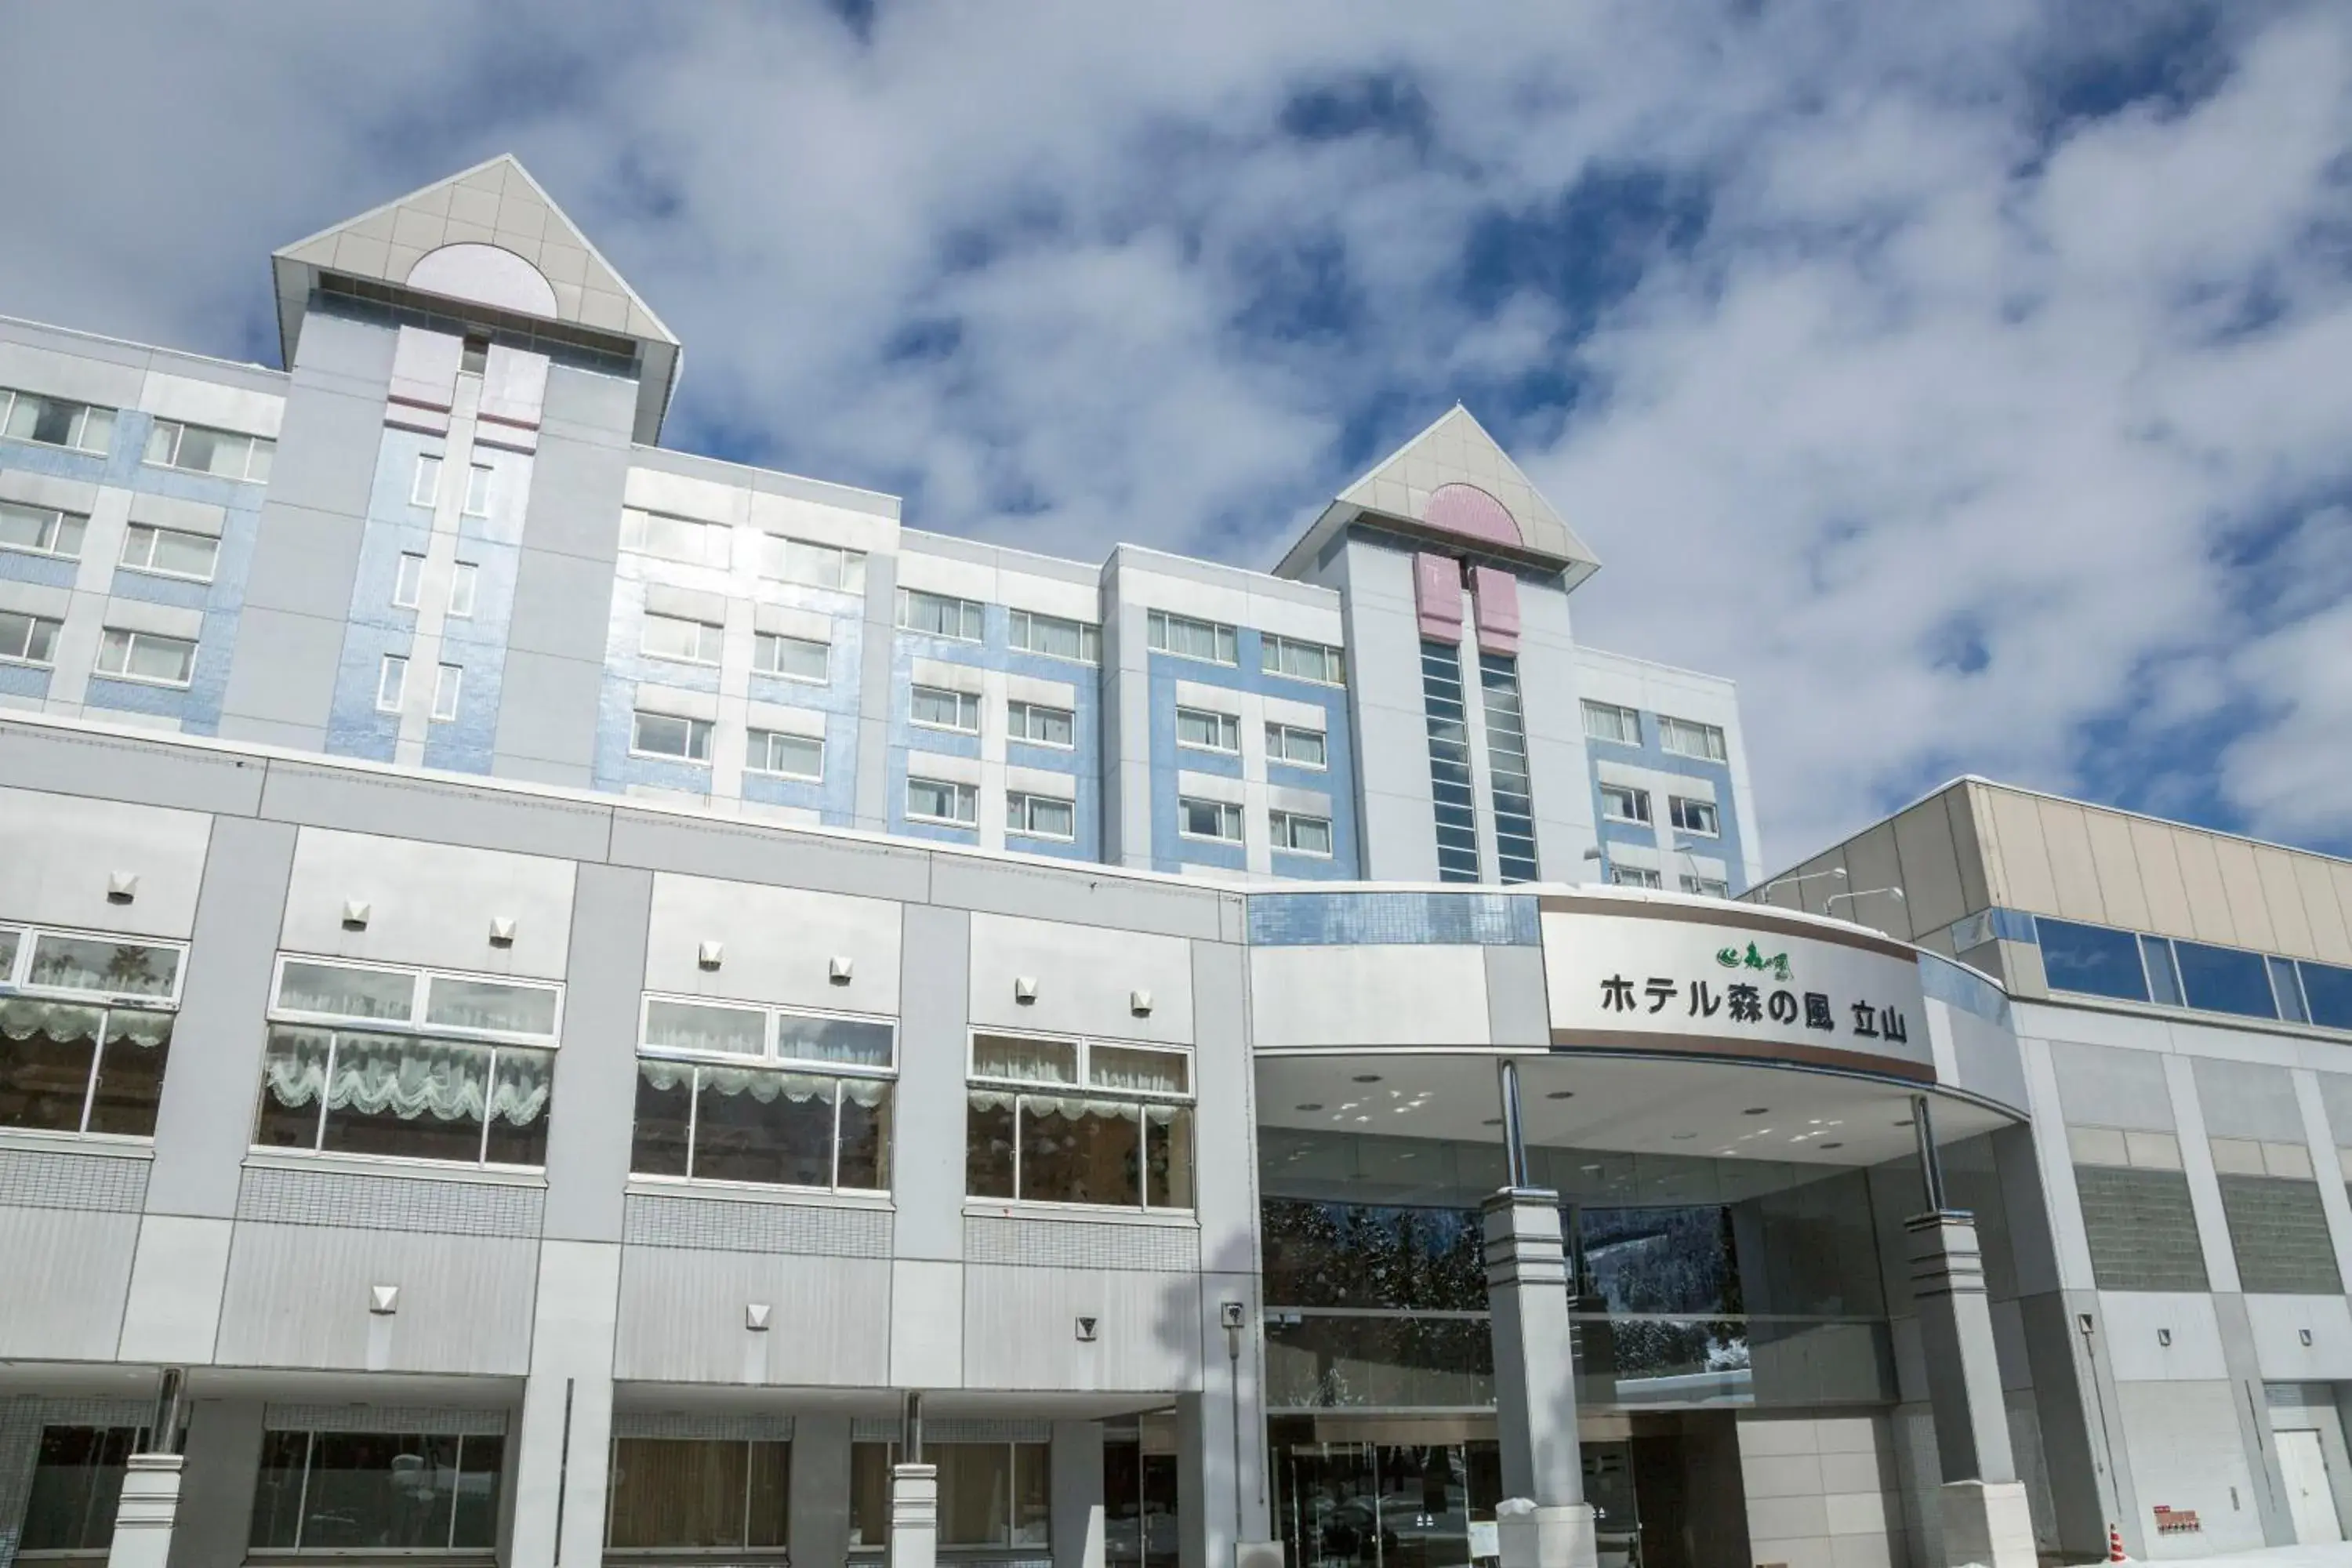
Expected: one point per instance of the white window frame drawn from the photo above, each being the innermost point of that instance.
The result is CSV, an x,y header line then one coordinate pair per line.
x,y
78,439
154,536
33,624
702,728
778,639
464,586
17,978
479,478
1637,799
958,794
1279,824
171,435
1084,1089
1017,713
1706,886
1634,877
1226,723
1714,746
52,530
972,615
1272,648
1617,714
449,692
1017,803
1226,810
716,538
425,485
705,633
965,702
420,997
757,752
1021,633
130,645
1159,628
1277,745
392,683
407,579
781,559
1676,805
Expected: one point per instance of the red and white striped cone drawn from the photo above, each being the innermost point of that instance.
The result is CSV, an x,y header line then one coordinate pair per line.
x,y
2115,1544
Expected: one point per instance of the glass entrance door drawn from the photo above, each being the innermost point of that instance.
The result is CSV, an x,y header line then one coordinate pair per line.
x,y
1382,1505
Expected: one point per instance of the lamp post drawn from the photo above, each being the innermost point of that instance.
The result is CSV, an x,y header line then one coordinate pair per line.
x,y
1894,893
1835,872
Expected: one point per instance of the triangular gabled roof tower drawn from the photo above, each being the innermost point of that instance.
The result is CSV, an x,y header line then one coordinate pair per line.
x,y
1454,485
485,246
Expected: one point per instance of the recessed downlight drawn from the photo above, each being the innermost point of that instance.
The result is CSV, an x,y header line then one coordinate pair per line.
x,y
1561,1094
1312,1105
1758,1111
1492,1121
1684,1137
1830,1145
1367,1077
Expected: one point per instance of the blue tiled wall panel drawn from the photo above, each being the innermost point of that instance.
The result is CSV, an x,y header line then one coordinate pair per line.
x,y
1658,759
355,728
25,681
49,571
137,696
1346,920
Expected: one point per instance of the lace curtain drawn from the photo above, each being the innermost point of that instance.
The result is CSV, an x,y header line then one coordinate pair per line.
x,y
764,1086
1023,1060
378,1074
21,1018
691,1026
1153,1072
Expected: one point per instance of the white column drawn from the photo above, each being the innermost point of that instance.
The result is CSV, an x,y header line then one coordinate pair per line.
x,y
914,1516
1077,1494
144,1516
1544,1521
567,1408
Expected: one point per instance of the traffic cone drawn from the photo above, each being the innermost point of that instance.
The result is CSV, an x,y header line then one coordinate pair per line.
x,y
2115,1545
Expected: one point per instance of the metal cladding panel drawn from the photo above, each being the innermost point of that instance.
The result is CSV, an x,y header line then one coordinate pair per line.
x,y
425,367
683,1319
428,904
778,944
1437,596
64,1283
57,853
1497,594
1022,1328
298,1296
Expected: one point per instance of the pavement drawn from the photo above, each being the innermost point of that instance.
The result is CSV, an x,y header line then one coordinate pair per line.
x,y
2334,1556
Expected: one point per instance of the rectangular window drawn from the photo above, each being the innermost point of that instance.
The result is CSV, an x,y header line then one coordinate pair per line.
x,y
446,682
1040,816
696,1494
169,552
938,800
1295,834
407,582
1607,722
1509,786
936,707
1448,722
990,1495
1686,738
1079,1122
722,1095
345,1492
2163,979
54,422
146,656
788,756
817,565
405,1096
76,1487
1300,660
1205,731
28,639
41,531
2278,1231
2141,1229
461,590
85,1049
939,615
425,489
1706,887
795,658
223,453
2328,989
1694,816
1208,819
1188,638
1296,747
675,636
1039,725
2288,992
1622,803
2224,980
1055,636
666,735
478,490
677,539
2092,961
390,683
1634,877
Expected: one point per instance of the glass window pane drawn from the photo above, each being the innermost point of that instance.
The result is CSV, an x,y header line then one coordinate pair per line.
x,y
418,1099
703,1026
678,1492
344,993
1081,1151
1024,1060
186,554
380,1490
870,1494
809,1038
2224,980
77,1487
9,942
278,1495
2330,990
523,1083
975,1492
2156,958
408,582
988,1145
1033,1508
47,1050
1168,1155
131,1065
865,1135
490,1004
463,578
293,1081
774,1127
111,968
480,1458
665,1111
2092,960
1128,1067
766,1510
2289,994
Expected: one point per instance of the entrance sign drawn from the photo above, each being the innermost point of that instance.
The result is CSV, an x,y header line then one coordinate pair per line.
x,y
1715,979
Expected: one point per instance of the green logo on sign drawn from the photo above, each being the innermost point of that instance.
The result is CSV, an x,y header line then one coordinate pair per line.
x,y
1732,958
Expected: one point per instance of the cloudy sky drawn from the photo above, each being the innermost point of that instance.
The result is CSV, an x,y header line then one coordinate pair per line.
x,y
1974,381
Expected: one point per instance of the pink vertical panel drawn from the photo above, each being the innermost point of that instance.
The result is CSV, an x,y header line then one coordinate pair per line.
x,y
425,367
1499,609
1437,596
514,386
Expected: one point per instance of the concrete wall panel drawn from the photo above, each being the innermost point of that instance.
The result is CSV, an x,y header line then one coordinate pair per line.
x,y
58,852
63,1288
1086,977
428,904
298,1296
778,945
1021,1329
683,1319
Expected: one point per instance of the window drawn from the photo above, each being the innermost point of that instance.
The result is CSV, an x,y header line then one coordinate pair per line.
x,y
146,656
2163,979
1449,762
1622,803
1634,877
408,582
1039,724
27,639
990,1494
2328,989
1040,816
666,735
474,355
1206,731
938,800
940,615
76,1487
1686,738
390,683
1299,748
1607,722
1054,636
425,489
408,1491
795,658
40,530
818,565
2288,990
410,1063
674,537
791,757
1299,660
770,1095
446,682
1079,1122
1208,819
1299,834
172,445
85,1031
2224,980
478,490
675,636
54,422
1706,887
461,590
1189,638
1694,816
702,1494
2141,1229
169,552
2092,961
1508,786
936,707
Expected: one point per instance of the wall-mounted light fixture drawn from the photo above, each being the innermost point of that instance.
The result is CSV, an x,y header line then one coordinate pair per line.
x,y
1140,1003
2164,1336
502,931
1024,989
357,912
755,1316
384,1300
122,886
1086,1330
840,969
708,954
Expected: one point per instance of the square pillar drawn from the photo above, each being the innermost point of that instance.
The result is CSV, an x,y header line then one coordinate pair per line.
x,y
914,1516
1077,1494
563,1464
819,1528
1983,1505
144,1516
1544,1521
216,1485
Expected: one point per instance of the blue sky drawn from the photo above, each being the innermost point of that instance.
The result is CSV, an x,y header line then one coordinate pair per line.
x,y
1973,383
